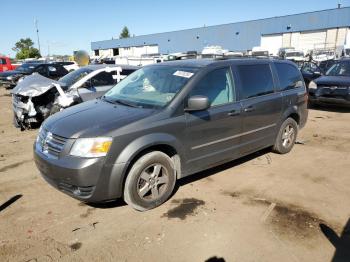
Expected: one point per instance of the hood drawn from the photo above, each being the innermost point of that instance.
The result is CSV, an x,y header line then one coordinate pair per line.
x,y
333,80
93,118
33,85
11,73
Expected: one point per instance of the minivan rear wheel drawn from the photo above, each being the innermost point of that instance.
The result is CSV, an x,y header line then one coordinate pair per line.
x,y
286,136
150,182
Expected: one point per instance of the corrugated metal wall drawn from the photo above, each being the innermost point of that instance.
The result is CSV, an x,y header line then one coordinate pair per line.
x,y
235,36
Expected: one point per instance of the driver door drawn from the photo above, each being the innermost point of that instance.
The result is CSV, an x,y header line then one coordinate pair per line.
x,y
213,135
96,86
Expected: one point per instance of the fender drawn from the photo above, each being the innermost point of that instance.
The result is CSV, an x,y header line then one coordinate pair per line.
x,y
144,142
121,165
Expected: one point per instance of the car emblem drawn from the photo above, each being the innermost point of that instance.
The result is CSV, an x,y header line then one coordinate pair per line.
x,y
333,87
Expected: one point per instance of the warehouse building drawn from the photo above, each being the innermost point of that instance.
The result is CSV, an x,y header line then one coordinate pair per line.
x,y
306,31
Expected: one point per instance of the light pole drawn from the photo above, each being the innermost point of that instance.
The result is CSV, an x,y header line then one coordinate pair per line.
x,y
37,33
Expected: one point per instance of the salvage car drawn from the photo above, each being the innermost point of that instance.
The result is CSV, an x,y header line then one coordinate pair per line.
x,y
9,79
333,87
37,97
167,121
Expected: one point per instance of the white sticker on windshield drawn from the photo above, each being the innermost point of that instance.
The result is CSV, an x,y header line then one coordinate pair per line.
x,y
183,74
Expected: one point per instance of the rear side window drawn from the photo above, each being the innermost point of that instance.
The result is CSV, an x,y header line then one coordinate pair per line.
x,y
289,76
256,80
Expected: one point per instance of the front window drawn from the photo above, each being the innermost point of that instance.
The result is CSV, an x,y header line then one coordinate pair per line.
x,y
339,69
153,86
75,76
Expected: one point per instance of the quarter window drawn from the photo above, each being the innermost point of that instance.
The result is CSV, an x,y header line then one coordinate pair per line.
x,y
217,86
289,76
256,80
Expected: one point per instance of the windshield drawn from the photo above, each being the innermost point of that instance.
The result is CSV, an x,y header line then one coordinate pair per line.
x,y
153,86
290,54
324,52
339,69
75,76
26,68
260,53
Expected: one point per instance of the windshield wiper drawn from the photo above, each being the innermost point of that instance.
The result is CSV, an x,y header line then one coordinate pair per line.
x,y
118,101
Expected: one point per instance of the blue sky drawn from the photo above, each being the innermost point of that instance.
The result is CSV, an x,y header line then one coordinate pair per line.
x,y
67,25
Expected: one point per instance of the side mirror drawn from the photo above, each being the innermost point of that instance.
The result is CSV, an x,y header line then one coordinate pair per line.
x,y
197,103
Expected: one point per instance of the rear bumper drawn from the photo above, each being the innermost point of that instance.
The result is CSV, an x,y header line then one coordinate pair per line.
x,y
89,180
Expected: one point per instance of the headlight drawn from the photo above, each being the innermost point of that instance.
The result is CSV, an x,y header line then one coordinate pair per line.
x,y
91,147
9,78
21,79
312,85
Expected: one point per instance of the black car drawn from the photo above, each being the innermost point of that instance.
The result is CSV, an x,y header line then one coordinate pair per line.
x,y
167,121
334,86
312,70
9,79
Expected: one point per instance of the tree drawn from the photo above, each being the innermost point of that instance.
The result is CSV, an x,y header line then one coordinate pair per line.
x,y
24,48
125,33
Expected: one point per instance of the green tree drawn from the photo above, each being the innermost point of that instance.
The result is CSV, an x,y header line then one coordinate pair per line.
x,y
25,49
125,33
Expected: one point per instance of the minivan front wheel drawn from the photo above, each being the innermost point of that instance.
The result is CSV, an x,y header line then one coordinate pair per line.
x,y
286,136
150,182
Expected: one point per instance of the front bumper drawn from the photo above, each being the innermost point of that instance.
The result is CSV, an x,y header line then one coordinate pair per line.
x,y
86,179
329,95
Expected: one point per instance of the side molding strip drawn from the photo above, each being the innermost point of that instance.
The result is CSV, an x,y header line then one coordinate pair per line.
x,y
232,137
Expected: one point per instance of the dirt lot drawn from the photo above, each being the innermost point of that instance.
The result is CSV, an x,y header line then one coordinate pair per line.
x,y
265,207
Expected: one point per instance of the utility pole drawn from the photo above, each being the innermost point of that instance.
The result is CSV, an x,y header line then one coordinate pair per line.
x,y
37,32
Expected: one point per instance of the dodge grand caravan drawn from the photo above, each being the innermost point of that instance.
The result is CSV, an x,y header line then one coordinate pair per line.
x,y
167,121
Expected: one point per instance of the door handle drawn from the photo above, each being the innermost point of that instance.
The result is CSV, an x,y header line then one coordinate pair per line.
x,y
234,113
249,109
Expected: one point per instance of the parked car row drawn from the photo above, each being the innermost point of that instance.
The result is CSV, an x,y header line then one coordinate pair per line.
x,y
9,79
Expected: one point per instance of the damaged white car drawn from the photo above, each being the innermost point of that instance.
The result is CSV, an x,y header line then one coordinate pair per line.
x,y
36,97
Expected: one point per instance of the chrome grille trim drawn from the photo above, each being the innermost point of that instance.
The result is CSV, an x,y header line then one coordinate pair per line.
x,y
51,145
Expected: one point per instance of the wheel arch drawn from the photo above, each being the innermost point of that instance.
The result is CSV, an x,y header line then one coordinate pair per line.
x,y
165,143
291,112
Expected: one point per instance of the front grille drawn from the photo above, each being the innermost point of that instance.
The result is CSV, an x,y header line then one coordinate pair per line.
x,y
55,145
51,144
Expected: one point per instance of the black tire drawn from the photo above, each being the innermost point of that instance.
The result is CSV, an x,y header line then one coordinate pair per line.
x,y
286,137
146,177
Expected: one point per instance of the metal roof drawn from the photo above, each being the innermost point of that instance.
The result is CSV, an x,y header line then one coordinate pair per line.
x,y
234,36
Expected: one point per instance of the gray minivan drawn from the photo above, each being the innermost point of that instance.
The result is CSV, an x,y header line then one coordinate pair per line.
x,y
167,121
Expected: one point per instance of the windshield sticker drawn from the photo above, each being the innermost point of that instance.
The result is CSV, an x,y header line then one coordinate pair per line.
x,y
183,74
